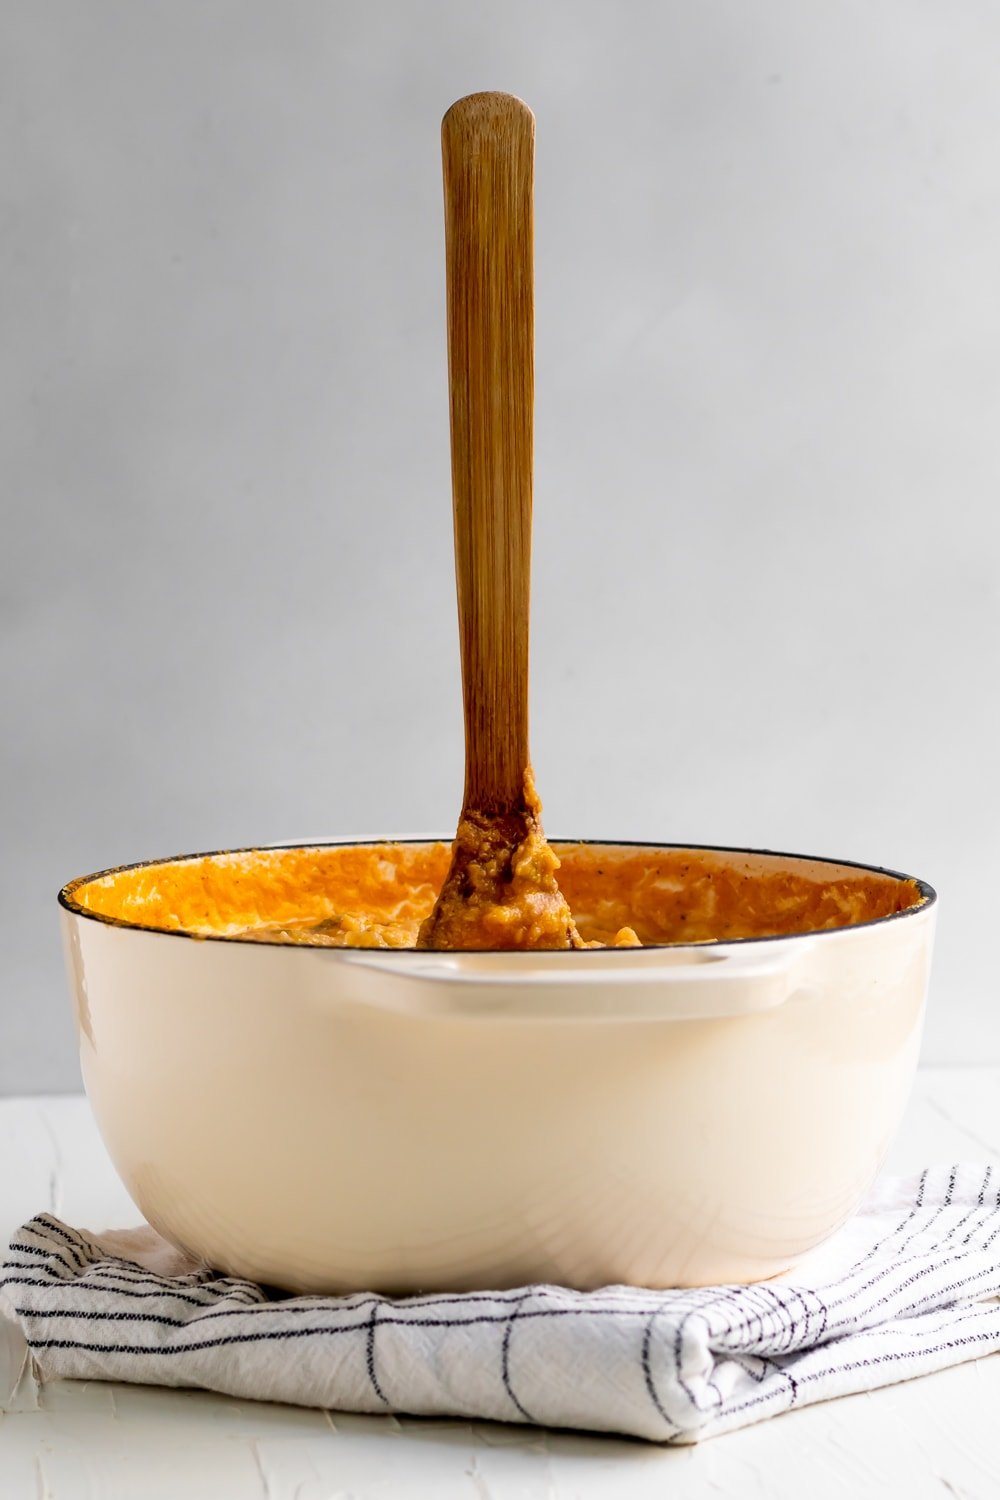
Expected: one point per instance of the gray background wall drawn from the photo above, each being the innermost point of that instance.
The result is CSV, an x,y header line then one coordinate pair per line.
x,y
766,566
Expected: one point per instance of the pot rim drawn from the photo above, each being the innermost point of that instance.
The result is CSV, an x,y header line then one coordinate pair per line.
x,y
67,898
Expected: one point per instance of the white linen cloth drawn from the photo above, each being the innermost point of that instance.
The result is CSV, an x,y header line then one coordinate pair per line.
x,y
908,1286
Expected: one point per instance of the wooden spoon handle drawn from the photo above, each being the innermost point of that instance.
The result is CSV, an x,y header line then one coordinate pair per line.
x,y
488,145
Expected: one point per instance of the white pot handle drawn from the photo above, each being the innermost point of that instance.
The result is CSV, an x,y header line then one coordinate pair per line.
x,y
697,983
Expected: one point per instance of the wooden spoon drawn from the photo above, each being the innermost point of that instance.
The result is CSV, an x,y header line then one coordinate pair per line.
x,y
501,889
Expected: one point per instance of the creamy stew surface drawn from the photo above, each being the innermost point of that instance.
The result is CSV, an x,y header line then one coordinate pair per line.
x,y
377,895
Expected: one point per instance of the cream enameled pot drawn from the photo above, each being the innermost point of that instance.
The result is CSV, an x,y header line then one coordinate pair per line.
x,y
336,1120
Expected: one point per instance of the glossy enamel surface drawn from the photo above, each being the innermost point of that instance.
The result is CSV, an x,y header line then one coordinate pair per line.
x,y
327,1119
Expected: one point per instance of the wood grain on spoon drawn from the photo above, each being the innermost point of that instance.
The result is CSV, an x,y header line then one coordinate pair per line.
x,y
501,889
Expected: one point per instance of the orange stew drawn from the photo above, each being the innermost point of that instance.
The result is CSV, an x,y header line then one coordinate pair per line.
x,y
377,895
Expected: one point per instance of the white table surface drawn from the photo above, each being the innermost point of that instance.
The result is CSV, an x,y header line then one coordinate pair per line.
x,y
89,1441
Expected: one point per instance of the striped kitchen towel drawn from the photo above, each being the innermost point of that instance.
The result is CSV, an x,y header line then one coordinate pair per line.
x,y
908,1286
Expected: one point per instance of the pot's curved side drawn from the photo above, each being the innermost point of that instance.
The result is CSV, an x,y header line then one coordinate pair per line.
x,y
270,1113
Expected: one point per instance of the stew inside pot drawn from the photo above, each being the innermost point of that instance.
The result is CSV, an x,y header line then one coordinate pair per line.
x,y
377,895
